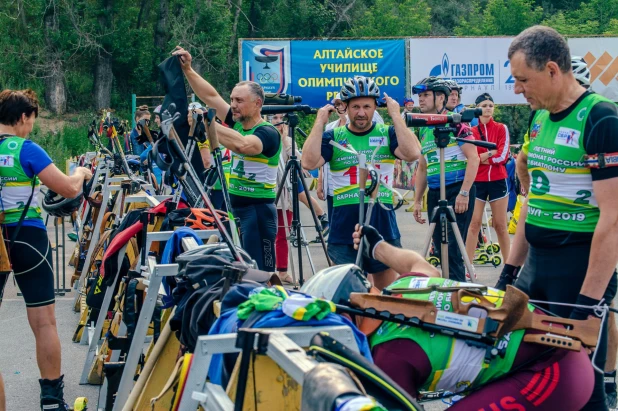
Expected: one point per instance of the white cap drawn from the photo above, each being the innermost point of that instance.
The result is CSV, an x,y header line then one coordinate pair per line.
x,y
337,97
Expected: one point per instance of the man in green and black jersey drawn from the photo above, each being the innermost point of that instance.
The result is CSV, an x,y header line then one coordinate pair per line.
x,y
384,143
572,220
255,145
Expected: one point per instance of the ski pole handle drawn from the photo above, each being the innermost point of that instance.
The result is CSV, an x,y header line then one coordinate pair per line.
x,y
212,130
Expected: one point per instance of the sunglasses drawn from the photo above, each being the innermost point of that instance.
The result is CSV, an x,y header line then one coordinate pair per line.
x,y
419,88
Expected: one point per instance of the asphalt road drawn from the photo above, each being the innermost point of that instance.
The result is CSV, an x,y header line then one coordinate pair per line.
x,y
17,348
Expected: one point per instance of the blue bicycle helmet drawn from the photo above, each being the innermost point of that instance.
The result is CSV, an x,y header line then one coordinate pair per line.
x,y
359,86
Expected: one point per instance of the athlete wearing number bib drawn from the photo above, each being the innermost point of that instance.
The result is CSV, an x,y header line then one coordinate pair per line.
x,y
344,172
252,187
562,209
455,166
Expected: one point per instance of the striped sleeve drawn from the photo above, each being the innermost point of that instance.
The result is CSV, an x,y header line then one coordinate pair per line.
x,y
502,147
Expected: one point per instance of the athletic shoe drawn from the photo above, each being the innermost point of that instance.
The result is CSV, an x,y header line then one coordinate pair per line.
x,y
52,395
325,225
72,236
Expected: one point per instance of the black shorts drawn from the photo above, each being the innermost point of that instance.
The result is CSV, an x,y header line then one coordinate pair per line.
x,y
31,259
346,254
557,274
491,190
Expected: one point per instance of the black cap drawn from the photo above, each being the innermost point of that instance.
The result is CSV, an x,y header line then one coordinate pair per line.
x,y
483,97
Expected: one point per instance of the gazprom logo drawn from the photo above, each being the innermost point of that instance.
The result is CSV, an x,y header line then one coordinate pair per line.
x,y
445,65
465,73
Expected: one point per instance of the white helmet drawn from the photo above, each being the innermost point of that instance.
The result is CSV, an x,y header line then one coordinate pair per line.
x,y
195,105
580,70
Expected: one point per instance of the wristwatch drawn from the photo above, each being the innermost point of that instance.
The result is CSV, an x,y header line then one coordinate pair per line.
x,y
464,193
490,154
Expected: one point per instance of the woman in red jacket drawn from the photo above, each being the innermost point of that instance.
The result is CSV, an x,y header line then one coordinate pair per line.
x,y
490,182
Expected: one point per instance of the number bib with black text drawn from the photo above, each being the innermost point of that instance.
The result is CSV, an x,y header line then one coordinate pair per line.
x,y
254,176
561,195
455,161
344,165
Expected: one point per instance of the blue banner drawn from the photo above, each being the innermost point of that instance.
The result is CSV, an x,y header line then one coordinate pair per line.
x,y
267,63
320,67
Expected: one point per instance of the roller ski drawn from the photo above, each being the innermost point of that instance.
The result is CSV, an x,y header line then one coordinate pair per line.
x,y
433,258
487,252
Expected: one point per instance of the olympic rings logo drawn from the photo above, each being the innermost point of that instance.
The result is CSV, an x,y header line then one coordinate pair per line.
x,y
267,78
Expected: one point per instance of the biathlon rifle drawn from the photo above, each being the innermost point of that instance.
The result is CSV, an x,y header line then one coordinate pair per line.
x,y
486,325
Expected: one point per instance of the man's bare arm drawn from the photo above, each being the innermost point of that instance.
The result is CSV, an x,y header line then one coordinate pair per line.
x,y
202,88
232,139
400,260
521,167
312,149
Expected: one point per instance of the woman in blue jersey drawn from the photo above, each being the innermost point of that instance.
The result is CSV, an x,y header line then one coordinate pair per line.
x,y
23,165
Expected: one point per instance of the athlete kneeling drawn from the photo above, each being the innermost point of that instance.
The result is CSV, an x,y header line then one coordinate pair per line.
x,y
527,376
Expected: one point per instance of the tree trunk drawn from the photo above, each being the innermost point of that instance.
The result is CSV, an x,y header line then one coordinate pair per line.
x,y
253,19
55,91
103,77
144,13
22,14
231,44
160,39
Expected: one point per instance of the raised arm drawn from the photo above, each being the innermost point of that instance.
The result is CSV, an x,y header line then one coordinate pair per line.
x,y
202,88
408,148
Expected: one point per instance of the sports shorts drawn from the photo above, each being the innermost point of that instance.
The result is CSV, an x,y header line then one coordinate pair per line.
x,y
31,260
491,190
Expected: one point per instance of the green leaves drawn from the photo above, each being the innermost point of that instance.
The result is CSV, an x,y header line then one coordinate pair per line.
x,y
387,18
500,18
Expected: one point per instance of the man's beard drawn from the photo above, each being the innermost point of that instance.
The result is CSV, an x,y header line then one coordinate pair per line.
x,y
240,118
356,125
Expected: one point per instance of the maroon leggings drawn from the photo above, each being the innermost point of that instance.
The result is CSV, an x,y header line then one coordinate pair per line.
x,y
281,242
561,380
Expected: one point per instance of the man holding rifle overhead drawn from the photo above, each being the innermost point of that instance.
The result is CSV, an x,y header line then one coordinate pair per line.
x,y
364,136
255,145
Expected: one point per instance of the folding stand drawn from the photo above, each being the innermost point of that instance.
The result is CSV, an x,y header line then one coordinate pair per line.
x,y
84,209
60,269
153,281
284,348
108,188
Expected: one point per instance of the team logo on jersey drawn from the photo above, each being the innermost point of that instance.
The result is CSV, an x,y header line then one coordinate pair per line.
x,y
567,137
343,143
377,141
6,161
535,131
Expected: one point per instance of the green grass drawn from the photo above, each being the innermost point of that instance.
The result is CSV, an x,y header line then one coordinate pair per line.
x,y
69,142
